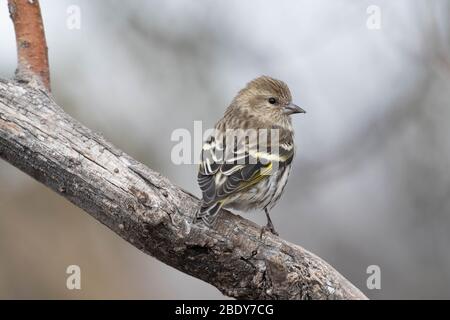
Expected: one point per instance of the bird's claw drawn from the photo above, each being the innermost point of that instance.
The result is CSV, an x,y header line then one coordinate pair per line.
x,y
268,228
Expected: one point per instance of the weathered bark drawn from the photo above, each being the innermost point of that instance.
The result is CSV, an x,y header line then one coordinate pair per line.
x,y
32,57
137,203
150,212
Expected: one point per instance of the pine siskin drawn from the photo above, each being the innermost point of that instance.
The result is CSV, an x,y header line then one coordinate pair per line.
x,y
245,164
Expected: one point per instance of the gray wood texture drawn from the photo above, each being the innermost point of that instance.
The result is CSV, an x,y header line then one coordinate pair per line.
x,y
150,212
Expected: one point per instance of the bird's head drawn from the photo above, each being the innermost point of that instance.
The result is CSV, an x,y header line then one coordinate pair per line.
x,y
268,99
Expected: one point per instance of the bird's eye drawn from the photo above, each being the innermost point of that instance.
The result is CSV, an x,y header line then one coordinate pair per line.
x,y
272,100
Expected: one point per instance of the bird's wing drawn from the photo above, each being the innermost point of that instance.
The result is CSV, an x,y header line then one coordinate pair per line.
x,y
225,172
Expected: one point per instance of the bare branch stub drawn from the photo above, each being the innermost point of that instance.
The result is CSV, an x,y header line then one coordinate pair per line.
x,y
32,53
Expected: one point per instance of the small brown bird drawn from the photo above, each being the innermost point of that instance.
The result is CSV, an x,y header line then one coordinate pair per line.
x,y
245,164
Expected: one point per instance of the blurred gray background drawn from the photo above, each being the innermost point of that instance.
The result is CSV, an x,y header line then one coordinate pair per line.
x,y
371,180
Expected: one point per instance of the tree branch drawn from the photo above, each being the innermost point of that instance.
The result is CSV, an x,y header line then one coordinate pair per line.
x,y
138,204
32,54
150,212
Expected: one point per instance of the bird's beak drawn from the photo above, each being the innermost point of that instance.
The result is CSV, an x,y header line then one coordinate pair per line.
x,y
292,108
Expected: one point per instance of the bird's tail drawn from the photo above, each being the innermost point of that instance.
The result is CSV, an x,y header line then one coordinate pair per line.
x,y
209,213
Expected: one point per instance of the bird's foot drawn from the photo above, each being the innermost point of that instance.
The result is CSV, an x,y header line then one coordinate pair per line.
x,y
268,228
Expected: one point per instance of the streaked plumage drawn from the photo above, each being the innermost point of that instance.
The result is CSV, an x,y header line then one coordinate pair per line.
x,y
250,173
